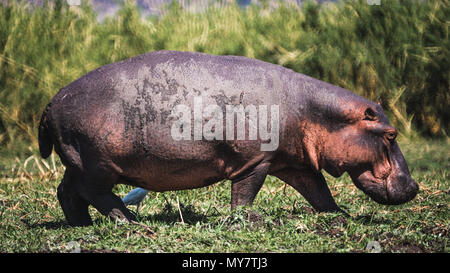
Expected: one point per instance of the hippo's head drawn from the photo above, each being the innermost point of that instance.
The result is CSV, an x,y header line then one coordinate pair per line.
x,y
359,140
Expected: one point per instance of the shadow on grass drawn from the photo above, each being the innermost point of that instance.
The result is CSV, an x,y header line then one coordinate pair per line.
x,y
47,225
170,216
190,216
369,219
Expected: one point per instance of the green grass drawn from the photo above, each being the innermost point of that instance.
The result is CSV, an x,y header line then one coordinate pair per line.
x,y
280,220
398,51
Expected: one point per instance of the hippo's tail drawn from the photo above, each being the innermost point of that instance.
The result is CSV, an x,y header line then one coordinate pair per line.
x,y
45,140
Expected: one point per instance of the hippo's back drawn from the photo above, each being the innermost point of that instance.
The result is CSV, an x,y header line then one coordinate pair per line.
x,y
123,110
170,76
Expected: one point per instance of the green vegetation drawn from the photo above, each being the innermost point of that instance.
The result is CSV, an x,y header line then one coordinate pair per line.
x,y
398,51
31,219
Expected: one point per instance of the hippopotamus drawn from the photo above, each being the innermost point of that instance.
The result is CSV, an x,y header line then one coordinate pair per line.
x,y
170,120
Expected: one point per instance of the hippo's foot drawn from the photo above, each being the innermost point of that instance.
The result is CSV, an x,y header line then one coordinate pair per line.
x,y
313,187
111,205
107,203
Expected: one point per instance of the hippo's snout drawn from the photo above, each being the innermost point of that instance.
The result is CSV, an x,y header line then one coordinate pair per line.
x,y
395,190
401,189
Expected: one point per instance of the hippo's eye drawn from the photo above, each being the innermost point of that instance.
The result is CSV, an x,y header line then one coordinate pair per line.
x,y
370,114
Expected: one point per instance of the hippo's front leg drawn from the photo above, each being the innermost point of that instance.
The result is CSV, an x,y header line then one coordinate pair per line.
x,y
312,186
245,188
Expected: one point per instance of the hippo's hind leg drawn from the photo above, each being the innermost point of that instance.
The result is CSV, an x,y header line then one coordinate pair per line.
x,y
312,186
244,188
75,208
97,191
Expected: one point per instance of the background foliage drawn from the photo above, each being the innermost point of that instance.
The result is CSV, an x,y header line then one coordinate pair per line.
x,y
397,52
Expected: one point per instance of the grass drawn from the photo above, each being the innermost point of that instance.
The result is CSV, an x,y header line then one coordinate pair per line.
x,y
201,221
398,51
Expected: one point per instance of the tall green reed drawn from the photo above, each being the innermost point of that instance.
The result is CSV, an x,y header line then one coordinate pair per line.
x,y
397,52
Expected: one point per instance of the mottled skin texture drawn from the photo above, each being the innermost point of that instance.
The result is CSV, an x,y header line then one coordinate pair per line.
x,y
113,126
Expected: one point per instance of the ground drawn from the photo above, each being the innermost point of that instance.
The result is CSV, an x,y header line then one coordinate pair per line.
x,y
31,219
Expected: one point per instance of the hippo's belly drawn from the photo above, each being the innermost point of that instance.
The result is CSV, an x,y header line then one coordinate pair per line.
x,y
158,174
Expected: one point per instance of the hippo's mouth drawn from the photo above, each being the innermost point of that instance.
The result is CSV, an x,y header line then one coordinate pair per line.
x,y
376,188
394,190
